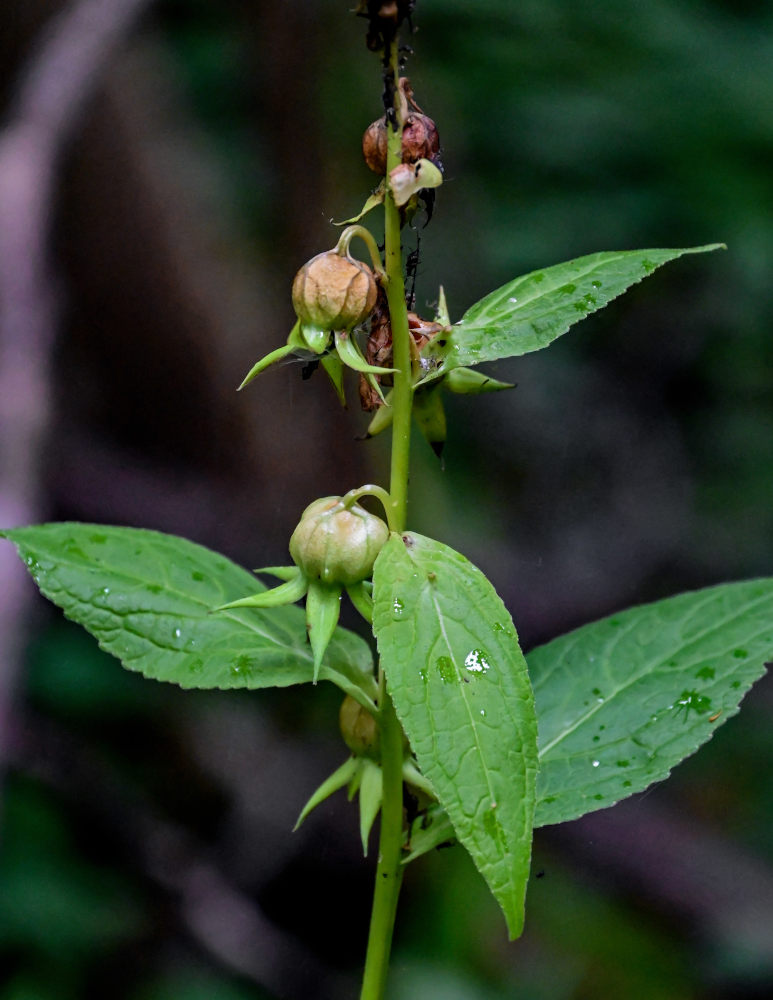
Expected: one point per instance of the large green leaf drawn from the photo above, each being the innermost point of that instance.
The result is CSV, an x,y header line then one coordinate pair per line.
x,y
147,598
461,690
530,312
621,701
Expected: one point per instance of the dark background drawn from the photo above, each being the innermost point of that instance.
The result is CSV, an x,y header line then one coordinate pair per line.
x,y
146,852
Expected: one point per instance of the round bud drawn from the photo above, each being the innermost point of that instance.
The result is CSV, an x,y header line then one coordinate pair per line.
x,y
420,138
374,146
359,729
331,292
335,544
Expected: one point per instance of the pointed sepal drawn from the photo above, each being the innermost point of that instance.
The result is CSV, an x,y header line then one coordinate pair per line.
x,y
428,831
340,777
468,382
349,352
431,418
373,200
371,792
286,593
323,605
362,600
381,419
335,372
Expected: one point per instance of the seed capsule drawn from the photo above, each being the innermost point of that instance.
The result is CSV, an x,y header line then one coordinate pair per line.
x,y
334,292
420,141
335,544
374,146
358,728
420,138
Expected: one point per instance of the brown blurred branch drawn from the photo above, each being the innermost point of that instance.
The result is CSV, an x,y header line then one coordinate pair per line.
x,y
59,77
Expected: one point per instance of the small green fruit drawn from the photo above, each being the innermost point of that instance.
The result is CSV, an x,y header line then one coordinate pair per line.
x,y
334,292
336,544
359,729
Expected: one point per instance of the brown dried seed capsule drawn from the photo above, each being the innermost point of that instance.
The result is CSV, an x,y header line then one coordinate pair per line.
x,y
374,146
332,292
420,138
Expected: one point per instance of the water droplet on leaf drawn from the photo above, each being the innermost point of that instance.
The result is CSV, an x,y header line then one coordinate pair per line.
x,y
476,661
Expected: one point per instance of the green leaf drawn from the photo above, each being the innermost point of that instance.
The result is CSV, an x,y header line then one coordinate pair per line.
x,y
621,701
459,684
531,312
147,598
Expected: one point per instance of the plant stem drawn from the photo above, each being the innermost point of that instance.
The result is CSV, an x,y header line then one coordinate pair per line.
x,y
389,871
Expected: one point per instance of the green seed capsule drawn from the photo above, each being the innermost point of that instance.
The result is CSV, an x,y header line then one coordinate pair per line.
x,y
336,544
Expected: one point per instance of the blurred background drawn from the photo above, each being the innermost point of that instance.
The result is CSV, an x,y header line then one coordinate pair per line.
x,y
165,168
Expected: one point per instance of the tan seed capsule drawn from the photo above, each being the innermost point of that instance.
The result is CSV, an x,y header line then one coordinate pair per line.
x,y
374,146
334,292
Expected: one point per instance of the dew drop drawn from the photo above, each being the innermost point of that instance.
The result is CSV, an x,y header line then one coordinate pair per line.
x,y
623,763
706,673
596,763
596,284
197,576
177,633
483,711
626,784
512,299
567,289
740,654
397,607
598,797
476,661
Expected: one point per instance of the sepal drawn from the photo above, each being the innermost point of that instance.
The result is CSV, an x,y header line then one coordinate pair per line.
x,y
286,593
371,792
323,606
340,777
468,382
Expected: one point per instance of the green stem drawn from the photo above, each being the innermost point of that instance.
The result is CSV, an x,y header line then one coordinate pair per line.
x,y
346,237
369,490
402,394
389,871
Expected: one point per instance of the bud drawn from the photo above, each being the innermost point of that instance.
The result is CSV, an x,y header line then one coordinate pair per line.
x,y
336,544
334,292
359,729
420,138
374,146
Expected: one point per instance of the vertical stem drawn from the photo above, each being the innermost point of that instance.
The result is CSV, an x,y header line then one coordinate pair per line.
x,y
389,871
